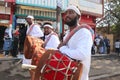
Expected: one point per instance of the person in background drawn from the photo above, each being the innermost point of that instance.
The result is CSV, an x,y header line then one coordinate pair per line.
x,y
102,46
22,31
15,42
7,46
97,42
79,46
40,23
117,46
94,49
107,43
51,38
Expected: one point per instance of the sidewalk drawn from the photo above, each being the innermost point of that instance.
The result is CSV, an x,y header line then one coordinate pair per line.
x,y
104,66
2,57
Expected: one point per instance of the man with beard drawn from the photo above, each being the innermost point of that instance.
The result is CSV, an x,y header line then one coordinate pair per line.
x,y
51,38
78,42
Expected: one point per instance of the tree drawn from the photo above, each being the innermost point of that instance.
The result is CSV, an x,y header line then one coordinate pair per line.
x,y
111,16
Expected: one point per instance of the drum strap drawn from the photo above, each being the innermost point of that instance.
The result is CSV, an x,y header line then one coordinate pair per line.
x,y
31,27
71,34
49,38
76,29
90,29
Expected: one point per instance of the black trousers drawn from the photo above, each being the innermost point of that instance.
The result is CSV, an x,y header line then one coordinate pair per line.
x,y
14,51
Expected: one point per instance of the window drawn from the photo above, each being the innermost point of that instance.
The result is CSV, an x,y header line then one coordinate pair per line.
x,y
96,1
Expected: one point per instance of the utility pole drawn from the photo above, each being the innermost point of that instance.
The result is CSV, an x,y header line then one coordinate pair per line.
x,y
58,11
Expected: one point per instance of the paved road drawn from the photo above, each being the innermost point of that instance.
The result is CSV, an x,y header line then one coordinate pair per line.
x,y
105,66
101,67
11,70
115,77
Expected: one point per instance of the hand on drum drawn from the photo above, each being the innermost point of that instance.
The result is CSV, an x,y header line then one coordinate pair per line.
x,y
61,44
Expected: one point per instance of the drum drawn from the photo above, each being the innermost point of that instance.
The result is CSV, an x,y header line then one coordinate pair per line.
x,y
33,50
32,46
54,65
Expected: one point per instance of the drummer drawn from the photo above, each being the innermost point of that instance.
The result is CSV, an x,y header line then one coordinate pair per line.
x,y
51,38
79,45
33,30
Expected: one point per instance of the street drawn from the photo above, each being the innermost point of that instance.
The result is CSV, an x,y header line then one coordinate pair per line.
x,y
116,77
11,70
103,67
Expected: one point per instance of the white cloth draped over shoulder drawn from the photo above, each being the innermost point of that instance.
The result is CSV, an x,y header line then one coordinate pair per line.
x,y
79,48
53,42
36,31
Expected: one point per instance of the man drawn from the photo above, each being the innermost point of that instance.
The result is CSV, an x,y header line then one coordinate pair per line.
x,y
36,31
22,30
117,46
107,44
33,30
7,46
79,46
97,42
16,35
51,38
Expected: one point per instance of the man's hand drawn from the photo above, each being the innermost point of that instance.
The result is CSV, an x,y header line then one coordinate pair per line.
x,y
61,44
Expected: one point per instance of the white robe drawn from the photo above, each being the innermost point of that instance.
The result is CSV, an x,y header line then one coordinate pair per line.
x,y
53,42
36,31
79,48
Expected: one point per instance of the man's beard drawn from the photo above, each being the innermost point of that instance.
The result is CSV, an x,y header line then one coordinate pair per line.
x,y
72,22
46,33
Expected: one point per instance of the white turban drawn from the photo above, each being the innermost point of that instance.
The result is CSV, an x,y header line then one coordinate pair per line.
x,y
47,25
74,8
29,16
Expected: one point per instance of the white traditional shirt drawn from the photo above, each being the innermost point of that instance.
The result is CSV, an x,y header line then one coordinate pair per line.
x,y
8,30
53,42
117,44
97,40
36,31
79,48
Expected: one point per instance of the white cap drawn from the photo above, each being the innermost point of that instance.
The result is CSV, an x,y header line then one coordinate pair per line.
x,y
29,16
47,25
74,8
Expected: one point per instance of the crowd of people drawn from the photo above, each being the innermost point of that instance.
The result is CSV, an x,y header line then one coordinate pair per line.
x,y
14,40
101,45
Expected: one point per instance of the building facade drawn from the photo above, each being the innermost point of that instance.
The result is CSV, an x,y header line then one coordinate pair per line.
x,y
90,10
40,9
7,8
6,12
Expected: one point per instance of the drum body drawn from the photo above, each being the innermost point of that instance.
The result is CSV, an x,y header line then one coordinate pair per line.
x,y
54,65
33,50
33,46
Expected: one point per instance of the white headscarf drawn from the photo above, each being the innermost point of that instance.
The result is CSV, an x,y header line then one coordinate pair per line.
x,y
47,25
74,8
